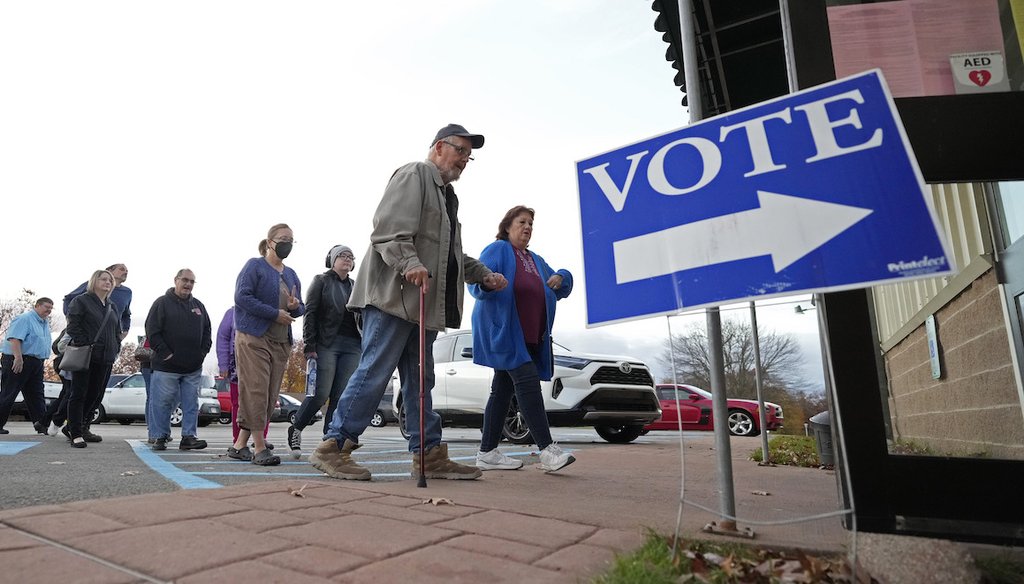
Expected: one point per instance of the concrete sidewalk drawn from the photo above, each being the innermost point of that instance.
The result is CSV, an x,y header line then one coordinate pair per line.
x,y
509,526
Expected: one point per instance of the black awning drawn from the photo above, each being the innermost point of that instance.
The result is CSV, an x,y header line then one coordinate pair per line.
x,y
740,52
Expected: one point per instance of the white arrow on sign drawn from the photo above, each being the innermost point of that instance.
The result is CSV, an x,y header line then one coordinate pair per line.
x,y
784,226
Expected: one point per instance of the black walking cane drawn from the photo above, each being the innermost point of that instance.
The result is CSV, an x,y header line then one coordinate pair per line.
x,y
423,341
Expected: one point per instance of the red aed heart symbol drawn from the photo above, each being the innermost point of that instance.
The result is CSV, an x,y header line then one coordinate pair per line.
x,y
980,77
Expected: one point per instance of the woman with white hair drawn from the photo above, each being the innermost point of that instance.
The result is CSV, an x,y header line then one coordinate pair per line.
x,y
331,338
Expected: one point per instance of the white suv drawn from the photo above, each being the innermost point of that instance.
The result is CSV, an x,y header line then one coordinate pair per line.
x,y
613,394
125,401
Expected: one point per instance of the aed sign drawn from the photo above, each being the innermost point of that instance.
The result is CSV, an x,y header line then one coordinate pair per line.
x,y
815,191
982,72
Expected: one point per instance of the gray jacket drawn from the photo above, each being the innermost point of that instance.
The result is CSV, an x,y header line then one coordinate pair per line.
x,y
411,229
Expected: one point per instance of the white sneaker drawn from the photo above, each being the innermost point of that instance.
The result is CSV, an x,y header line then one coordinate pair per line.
x,y
554,458
495,460
53,430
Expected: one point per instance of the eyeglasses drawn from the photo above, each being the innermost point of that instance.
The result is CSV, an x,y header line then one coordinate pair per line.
x,y
347,256
291,241
460,150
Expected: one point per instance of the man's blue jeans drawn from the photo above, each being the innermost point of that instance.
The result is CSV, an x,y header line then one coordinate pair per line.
x,y
389,342
334,366
166,390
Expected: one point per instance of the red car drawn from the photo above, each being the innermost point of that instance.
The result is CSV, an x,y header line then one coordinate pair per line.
x,y
224,397
695,406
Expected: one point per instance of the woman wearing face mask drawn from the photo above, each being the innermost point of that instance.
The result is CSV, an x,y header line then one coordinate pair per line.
x,y
267,300
91,316
330,336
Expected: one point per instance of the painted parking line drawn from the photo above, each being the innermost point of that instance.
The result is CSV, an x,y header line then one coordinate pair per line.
x,y
184,479
12,448
173,465
302,474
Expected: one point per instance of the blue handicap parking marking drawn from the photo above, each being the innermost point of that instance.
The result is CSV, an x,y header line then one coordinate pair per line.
x,y
12,448
182,478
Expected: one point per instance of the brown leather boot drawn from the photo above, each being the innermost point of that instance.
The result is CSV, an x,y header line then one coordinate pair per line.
x,y
437,465
337,462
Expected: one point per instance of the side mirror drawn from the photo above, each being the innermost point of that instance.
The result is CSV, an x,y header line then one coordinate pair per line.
x,y
467,352
694,397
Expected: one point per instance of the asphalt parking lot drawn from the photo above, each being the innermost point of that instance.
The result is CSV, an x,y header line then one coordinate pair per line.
x,y
41,470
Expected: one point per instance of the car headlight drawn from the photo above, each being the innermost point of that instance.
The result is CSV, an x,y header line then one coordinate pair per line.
x,y
571,362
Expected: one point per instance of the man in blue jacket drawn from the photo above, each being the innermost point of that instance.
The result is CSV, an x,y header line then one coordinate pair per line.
x,y
121,296
179,331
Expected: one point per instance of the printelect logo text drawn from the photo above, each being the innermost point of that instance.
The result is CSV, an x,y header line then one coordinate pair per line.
x,y
925,262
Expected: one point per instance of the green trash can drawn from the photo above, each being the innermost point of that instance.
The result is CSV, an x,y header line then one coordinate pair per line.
x,y
821,425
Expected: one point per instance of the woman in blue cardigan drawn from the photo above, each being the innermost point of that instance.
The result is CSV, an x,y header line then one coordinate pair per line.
x,y
268,298
512,335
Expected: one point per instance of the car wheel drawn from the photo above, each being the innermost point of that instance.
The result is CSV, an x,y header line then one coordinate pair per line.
x,y
741,423
176,417
401,421
125,422
619,434
225,419
291,418
377,421
515,429
99,415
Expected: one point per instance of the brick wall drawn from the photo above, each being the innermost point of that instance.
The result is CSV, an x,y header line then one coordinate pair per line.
x,y
974,408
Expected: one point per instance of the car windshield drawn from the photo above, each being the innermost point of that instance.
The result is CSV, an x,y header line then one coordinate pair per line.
x,y
702,392
207,381
291,400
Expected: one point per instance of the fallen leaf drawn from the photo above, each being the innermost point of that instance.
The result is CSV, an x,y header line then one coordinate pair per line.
x,y
762,493
298,493
58,462
438,501
129,473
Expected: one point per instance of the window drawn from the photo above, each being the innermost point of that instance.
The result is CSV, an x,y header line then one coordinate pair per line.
x,y
929,47
463,342
443,349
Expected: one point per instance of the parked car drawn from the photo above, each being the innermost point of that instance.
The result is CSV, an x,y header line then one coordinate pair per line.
x,y
223,387
51,391
613,394
287,407
125,401
695,410
385,414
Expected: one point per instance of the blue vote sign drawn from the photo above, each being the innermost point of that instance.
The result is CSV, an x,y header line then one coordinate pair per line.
x,y
815,191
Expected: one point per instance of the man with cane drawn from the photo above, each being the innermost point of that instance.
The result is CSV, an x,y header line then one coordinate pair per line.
x,y
415,254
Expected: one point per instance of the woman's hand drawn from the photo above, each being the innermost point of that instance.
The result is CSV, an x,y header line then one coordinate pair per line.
x,y
283,317
293,300
555,282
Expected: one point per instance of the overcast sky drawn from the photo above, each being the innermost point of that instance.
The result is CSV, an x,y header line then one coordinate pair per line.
x,y
174,134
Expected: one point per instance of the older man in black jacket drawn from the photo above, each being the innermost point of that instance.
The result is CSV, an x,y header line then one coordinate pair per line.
x,y
179,331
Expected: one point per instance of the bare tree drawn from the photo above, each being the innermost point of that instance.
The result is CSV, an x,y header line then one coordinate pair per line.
x,y
781,359
294,380
125,361
12,308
